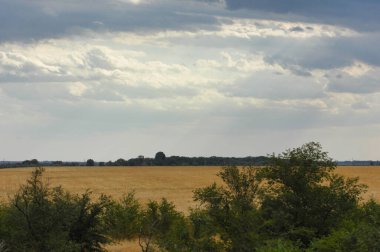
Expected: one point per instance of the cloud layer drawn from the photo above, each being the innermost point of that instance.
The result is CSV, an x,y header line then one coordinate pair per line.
x,y
122,78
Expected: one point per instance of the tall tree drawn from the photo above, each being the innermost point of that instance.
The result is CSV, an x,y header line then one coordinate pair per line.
x,y
233,208
302,198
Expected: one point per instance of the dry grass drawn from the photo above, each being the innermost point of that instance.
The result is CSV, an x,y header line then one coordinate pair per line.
x,y
369,175
174,183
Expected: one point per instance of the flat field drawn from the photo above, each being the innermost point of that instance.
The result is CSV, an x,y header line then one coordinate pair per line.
x,y
174,183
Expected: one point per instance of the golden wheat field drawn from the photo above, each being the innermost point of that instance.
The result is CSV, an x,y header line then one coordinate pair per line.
x,y
174,183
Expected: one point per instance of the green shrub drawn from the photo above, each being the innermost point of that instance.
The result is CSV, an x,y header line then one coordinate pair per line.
x,y
360,231
123,218
40,218
159,221
279,246
233,208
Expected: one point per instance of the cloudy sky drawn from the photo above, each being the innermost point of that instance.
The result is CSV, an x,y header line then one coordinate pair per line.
x,y
106,79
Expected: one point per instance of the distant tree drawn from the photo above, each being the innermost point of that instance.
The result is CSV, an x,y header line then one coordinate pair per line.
x,y
57,163
159,158
33,162
90,162
139,161
120,162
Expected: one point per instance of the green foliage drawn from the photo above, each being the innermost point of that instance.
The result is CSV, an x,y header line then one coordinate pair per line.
x,y
40,218
203,236
233,209
279,246
360,231
32,220
165,229
87,228
160,222
301,198
3,247
294,200
124,218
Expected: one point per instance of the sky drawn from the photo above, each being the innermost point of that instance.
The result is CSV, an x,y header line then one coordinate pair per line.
x,y
109,79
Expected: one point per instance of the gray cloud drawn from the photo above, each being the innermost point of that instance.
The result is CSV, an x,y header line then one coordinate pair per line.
x,y
344,83
30,20
317,53
298,54
275,86
360,15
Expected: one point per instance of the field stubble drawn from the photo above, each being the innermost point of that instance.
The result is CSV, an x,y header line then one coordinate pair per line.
x,y
150,183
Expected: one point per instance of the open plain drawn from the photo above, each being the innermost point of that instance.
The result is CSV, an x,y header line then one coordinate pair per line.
x,y
174,183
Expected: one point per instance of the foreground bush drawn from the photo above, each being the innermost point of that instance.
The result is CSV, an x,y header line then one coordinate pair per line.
x,y
124,218
358,232
302,199
40,218
233,209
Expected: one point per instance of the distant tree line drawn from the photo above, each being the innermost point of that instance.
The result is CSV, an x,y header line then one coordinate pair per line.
x,y
295,203
359,163
160,159
36,163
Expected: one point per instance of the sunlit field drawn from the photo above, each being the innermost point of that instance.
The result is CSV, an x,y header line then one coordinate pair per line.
x,y
174,183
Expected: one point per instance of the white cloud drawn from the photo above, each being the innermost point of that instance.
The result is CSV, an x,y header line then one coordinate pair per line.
x,y
77,89
251,28
357,69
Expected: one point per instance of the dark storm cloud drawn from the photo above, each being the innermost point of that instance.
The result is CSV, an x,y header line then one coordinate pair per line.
x,y
358,14
32,20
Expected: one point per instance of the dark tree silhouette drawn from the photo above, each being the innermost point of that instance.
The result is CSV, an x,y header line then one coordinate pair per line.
x,y
90,162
